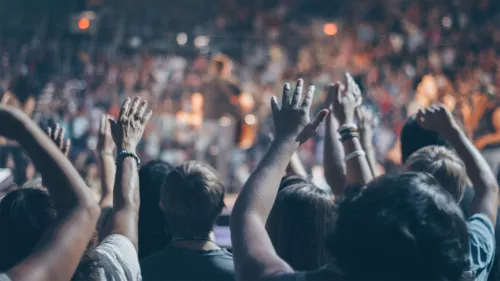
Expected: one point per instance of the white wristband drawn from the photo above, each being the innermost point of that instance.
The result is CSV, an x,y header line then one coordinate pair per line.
x,y
354,154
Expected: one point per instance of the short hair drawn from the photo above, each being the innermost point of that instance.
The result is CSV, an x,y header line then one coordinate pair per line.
x,y
298,224
25,215
413,137
192,199
400,228
444,165
291,180
152,224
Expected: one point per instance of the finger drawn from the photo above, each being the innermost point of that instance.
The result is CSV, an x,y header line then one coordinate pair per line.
x,y
134,106
297,94
66,147
147,116
285,101
57,131
142,109
60,139
125,108
359,113
274,105
49,132
320,117
306,103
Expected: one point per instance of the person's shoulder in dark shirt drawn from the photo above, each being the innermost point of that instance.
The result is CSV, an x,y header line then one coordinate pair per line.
x,y
179,264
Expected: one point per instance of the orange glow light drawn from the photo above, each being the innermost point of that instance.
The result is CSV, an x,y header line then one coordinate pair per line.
x,y
330,29
83,23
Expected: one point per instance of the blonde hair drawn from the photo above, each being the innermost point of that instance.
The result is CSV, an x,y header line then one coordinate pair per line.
x,y
444,165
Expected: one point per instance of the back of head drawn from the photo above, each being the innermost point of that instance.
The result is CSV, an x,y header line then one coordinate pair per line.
x,y
413,137
298,224
192,198
444,165
25,215
403,228
152,224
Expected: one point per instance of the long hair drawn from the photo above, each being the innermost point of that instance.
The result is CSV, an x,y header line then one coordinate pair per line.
x,y
300,220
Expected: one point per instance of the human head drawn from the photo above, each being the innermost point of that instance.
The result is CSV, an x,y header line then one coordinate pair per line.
x,y
192,198
400,228
298,224
25,214
444,165
413,137
152,225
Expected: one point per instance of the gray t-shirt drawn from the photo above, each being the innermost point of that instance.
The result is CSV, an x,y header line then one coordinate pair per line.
x,y
481,246
179,264
4,277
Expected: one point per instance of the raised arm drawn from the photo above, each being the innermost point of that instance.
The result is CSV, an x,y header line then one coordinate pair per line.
x,y
254,255
333,152
127,132
106,148
357,167
366,123
437,118
60,249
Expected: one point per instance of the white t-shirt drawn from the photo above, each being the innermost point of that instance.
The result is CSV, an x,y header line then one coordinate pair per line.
x,y
117,260
4,277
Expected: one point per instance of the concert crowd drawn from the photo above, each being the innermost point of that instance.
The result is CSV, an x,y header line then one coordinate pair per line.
x,y
381,162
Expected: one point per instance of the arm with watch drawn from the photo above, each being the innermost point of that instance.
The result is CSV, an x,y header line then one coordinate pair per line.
x,y
357,168
127,131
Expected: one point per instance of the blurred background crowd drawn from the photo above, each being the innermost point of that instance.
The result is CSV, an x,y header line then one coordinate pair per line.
x,y
404,55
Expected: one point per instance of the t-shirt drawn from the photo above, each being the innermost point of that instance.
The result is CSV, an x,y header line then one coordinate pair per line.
x,y
4,277
180,264
117,260
481,246
465,205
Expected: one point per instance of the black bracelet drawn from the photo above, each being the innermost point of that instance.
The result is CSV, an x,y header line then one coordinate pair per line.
x,y
124,154
348,136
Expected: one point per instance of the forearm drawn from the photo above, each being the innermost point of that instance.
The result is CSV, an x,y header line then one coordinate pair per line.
x,y
358,169
108,173
59,252
251,245
333,158
488,139
477,168
295,167
126,199
259,191
371,158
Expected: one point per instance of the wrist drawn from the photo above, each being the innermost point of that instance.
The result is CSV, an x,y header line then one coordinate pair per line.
x,y
128,148
451,133
289,145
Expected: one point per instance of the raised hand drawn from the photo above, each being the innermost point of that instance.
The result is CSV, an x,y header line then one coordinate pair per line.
x,y
437,118
105,142
56,134
344,101
292,120
128,130
366,119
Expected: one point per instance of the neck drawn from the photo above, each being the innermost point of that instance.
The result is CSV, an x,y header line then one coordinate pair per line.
x,y
195,243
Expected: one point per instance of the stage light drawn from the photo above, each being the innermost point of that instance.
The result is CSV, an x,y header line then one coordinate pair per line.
x,y
330,29
83,24
201,41
182,39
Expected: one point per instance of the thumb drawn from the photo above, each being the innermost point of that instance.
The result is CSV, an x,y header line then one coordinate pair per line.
x,y
114,128
320,117
274,106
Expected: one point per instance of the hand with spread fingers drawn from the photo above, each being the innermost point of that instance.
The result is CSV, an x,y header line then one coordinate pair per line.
x,y
57,134
105,142
437,118
128,130
292,120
